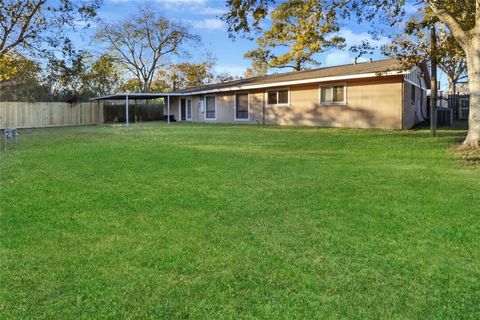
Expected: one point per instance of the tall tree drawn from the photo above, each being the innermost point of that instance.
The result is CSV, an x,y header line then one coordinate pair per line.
x,y
67,76
12,69
32,23
224,77
132,85
462,17
103,76
301,27
413,46
188,75
19,79
258,68
143,42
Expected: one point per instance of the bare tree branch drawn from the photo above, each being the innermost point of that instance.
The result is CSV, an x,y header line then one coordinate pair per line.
x,y
142,41
30,23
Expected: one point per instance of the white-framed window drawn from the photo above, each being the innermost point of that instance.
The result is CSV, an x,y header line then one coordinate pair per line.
x,y
210,107
333,94
182,109
278,98
242,107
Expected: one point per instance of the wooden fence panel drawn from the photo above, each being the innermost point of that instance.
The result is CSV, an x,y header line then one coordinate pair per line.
x,y
49,114
141,111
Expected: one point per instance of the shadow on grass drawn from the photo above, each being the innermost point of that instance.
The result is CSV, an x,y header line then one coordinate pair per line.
x,y
468,157
458,131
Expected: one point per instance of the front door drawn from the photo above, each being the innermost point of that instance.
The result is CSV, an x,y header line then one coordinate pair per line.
x,y
183,109
189,109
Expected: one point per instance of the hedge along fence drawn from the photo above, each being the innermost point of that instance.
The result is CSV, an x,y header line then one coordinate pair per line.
x,y
49,114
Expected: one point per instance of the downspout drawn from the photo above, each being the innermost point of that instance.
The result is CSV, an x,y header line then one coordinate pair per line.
x,y
421,97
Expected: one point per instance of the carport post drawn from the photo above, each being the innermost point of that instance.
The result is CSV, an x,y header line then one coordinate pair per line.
x,y
168,105
126,110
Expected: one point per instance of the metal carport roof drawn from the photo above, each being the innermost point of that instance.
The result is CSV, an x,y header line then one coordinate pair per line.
x,y
138,96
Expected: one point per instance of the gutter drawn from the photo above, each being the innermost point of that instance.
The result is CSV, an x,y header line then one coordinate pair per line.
x,y
146,96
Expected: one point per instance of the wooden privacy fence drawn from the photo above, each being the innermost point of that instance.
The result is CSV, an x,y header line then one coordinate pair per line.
x,y
49,114
136,112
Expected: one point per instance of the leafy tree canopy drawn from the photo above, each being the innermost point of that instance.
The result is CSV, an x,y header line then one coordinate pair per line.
x,y
19,79
300,27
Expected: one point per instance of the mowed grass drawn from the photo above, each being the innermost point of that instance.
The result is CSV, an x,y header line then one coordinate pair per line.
x,y
238,222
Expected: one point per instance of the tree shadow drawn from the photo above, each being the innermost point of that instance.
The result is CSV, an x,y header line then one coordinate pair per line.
x,y
331,117
468,157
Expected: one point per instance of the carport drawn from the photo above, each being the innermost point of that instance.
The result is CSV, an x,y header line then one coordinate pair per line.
x,y
139,96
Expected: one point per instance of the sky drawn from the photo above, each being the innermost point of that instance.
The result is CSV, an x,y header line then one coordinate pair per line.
x,y
203,18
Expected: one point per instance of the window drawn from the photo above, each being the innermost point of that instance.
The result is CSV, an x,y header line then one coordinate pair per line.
x,y
241,106
283,97
465,103
335,94
272,97
183,109
412,94
278,98
210,108
189,109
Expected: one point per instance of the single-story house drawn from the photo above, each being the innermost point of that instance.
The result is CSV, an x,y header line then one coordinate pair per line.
x,y
374,94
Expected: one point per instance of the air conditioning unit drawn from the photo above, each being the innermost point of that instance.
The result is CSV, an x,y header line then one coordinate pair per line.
x,y
444,117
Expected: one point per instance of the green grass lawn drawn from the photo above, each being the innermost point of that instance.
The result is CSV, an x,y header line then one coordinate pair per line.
x,y
238,222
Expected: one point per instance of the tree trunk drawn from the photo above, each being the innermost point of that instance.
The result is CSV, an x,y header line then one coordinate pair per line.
x,y
451,85
146,86
473,61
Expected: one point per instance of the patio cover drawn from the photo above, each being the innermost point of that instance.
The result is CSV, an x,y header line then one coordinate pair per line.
x,y
138,96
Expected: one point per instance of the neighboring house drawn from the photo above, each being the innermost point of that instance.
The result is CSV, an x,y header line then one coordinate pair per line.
x,y
460,103
377,94
463,106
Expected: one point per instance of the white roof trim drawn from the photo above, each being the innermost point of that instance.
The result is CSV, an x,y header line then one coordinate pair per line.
x,y
254,86
414,84
303,81
138,94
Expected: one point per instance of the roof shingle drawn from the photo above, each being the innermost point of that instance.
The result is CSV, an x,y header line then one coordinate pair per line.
x,y
380,66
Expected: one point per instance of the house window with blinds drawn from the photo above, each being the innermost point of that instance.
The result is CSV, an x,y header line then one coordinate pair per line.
x,y
334,94
278,98
210,108
241,107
